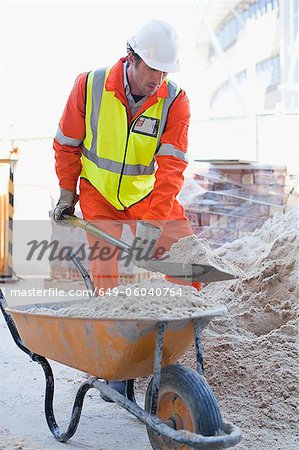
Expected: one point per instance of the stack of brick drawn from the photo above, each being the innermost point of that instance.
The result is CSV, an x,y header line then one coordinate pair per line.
x,y
222,201
229,200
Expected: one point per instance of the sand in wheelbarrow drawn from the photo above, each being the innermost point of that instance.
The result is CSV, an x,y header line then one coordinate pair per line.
x,y
155,298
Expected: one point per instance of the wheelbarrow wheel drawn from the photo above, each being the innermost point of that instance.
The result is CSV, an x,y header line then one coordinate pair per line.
x,y
185,401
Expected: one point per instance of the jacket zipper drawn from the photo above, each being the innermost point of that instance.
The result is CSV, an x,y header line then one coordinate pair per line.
x,y
125,154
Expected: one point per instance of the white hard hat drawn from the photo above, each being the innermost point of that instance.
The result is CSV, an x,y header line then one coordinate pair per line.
x,y
156,43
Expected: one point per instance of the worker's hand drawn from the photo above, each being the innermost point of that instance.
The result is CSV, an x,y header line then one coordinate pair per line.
x,y
66,205
147,236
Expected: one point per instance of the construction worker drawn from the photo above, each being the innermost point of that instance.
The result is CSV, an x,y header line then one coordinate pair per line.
x,y
124,133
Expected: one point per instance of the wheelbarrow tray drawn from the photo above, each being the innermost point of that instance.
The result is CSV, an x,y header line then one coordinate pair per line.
x,y
108,348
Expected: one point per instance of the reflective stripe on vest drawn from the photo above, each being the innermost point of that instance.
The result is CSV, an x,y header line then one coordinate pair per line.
x,y
170,150
66,140
118,160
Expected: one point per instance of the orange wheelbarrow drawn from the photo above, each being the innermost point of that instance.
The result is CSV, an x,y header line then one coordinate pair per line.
x,y
180,408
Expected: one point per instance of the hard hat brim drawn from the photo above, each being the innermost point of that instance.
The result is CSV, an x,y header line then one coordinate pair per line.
x,y
157,65
163,67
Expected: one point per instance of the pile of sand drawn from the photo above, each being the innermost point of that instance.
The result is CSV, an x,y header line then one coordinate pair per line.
x,y
251,356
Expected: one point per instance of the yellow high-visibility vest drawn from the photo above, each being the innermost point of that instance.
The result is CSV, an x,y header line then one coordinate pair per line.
x,y
118,159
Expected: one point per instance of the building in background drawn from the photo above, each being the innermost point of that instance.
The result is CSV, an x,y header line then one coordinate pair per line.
x,y
245,149
248,49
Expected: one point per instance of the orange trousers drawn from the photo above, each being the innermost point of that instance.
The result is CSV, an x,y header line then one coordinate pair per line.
x,y
104,257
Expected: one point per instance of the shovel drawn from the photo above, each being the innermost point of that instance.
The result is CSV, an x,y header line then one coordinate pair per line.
x,y
189,272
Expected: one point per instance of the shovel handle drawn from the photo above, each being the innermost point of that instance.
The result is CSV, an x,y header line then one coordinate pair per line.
x,y
87,226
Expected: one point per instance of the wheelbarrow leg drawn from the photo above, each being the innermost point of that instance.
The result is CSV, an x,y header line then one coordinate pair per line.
x,y
157,367
124,387
49,395
78,403
130,390
198,347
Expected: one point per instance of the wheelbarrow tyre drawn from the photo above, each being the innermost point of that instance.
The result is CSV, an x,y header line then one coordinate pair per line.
x,y
186,399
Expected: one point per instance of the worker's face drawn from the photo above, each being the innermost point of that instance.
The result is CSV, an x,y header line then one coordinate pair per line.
x,y
144,79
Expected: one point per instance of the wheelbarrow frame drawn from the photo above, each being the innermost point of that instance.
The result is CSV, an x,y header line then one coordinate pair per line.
x,y
232,433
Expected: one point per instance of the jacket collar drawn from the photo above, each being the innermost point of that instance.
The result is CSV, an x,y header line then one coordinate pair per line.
x,y
115,82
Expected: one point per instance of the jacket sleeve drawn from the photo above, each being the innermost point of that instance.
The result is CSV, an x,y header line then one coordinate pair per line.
x,y
171,160
70,135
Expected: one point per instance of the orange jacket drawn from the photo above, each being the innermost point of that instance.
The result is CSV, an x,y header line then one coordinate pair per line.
x,y
169,173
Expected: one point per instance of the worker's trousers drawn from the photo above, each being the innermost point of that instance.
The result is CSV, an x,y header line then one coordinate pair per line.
x,y
104,257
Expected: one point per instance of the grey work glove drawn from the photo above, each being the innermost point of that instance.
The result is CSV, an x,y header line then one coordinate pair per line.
x,y
146,238
65,205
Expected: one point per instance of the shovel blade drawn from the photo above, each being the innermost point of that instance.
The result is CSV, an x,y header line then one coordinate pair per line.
x,y
191,272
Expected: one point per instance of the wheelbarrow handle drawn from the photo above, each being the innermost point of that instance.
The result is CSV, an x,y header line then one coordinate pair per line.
x,y
87,226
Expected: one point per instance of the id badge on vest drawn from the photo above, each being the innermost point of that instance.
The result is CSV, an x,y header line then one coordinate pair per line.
x,y
146,125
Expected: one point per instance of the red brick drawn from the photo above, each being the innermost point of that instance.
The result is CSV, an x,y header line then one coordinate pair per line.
x,y
193,218
270,178
247,178
235,178
208,186
74,274
214,219
205,219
